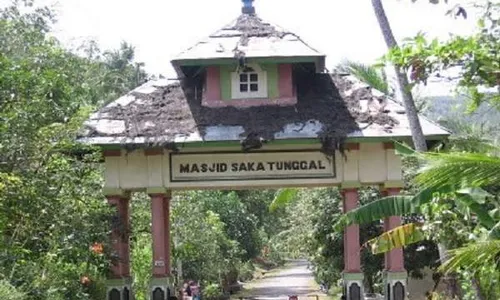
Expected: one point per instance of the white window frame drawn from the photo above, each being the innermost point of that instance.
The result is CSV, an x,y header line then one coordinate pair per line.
x,y
261,81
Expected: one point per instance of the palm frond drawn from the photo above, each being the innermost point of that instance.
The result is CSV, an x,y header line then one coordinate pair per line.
x,y
282,198
370,75
460,169
398,237
473,257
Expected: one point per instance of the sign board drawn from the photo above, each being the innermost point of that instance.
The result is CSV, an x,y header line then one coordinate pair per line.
x,y
266,165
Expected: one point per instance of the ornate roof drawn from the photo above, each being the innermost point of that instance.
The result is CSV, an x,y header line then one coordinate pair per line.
x,y
329,106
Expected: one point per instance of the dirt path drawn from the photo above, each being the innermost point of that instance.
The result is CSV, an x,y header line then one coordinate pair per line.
x,y
294,279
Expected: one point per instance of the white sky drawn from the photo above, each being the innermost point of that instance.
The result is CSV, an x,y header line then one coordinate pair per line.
x,y
160,29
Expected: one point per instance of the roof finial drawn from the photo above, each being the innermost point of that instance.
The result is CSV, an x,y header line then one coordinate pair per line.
x,y
248,7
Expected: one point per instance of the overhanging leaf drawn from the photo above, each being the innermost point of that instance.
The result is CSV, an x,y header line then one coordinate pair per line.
x,y
404,150
396,238
282,198
471,199
495,232
472,257
377,210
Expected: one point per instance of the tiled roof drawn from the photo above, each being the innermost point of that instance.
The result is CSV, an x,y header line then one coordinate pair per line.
x,y
251,36
163,112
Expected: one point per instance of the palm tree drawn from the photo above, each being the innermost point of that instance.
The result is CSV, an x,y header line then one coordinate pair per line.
x,y
402,80
371,75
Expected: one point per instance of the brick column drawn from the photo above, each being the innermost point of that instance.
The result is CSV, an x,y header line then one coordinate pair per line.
x,y
119,280
160,211
353,277
395,273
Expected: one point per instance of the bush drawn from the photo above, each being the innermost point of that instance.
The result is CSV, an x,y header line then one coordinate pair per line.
x,y
212,291
246,271
9,292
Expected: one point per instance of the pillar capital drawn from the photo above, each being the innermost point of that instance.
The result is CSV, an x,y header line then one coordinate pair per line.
x,y
350,185
159,192
115,193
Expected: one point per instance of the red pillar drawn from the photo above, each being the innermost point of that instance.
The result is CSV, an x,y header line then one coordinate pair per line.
x,y
160,206
352,275
120,237
352,263
394,260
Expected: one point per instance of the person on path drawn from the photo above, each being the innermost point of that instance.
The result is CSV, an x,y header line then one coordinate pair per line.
x,y
195,290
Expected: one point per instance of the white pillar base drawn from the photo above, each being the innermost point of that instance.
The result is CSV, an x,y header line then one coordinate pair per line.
x,y
353,286
119,289
395,287
160,289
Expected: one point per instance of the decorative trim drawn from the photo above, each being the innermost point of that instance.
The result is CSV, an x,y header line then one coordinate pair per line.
x,y
153,151
305,141
352,146
250,102
230,60
353,276
109,192
119,281
158,191
112,152
391,184
347,185
395,276
389,145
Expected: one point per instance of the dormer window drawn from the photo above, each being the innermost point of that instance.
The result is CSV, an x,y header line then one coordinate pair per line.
x,y
249,82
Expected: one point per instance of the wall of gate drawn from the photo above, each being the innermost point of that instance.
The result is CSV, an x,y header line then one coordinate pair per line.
x,y
272,166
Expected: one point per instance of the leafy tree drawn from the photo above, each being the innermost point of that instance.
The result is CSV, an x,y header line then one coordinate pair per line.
x,y
474,59
53,220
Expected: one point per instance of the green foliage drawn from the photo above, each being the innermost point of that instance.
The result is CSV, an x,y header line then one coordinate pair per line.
x,y
9,292
212,291
461,169
477,56
51,207
473,256
282,198
396,238
246,271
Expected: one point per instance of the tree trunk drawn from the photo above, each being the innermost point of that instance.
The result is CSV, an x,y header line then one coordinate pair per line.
x,y
402,80
477,287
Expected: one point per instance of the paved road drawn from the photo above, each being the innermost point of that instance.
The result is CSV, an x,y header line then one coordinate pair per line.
x,y
295,279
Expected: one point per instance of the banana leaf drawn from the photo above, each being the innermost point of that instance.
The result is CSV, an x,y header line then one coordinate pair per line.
x,y
396,238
